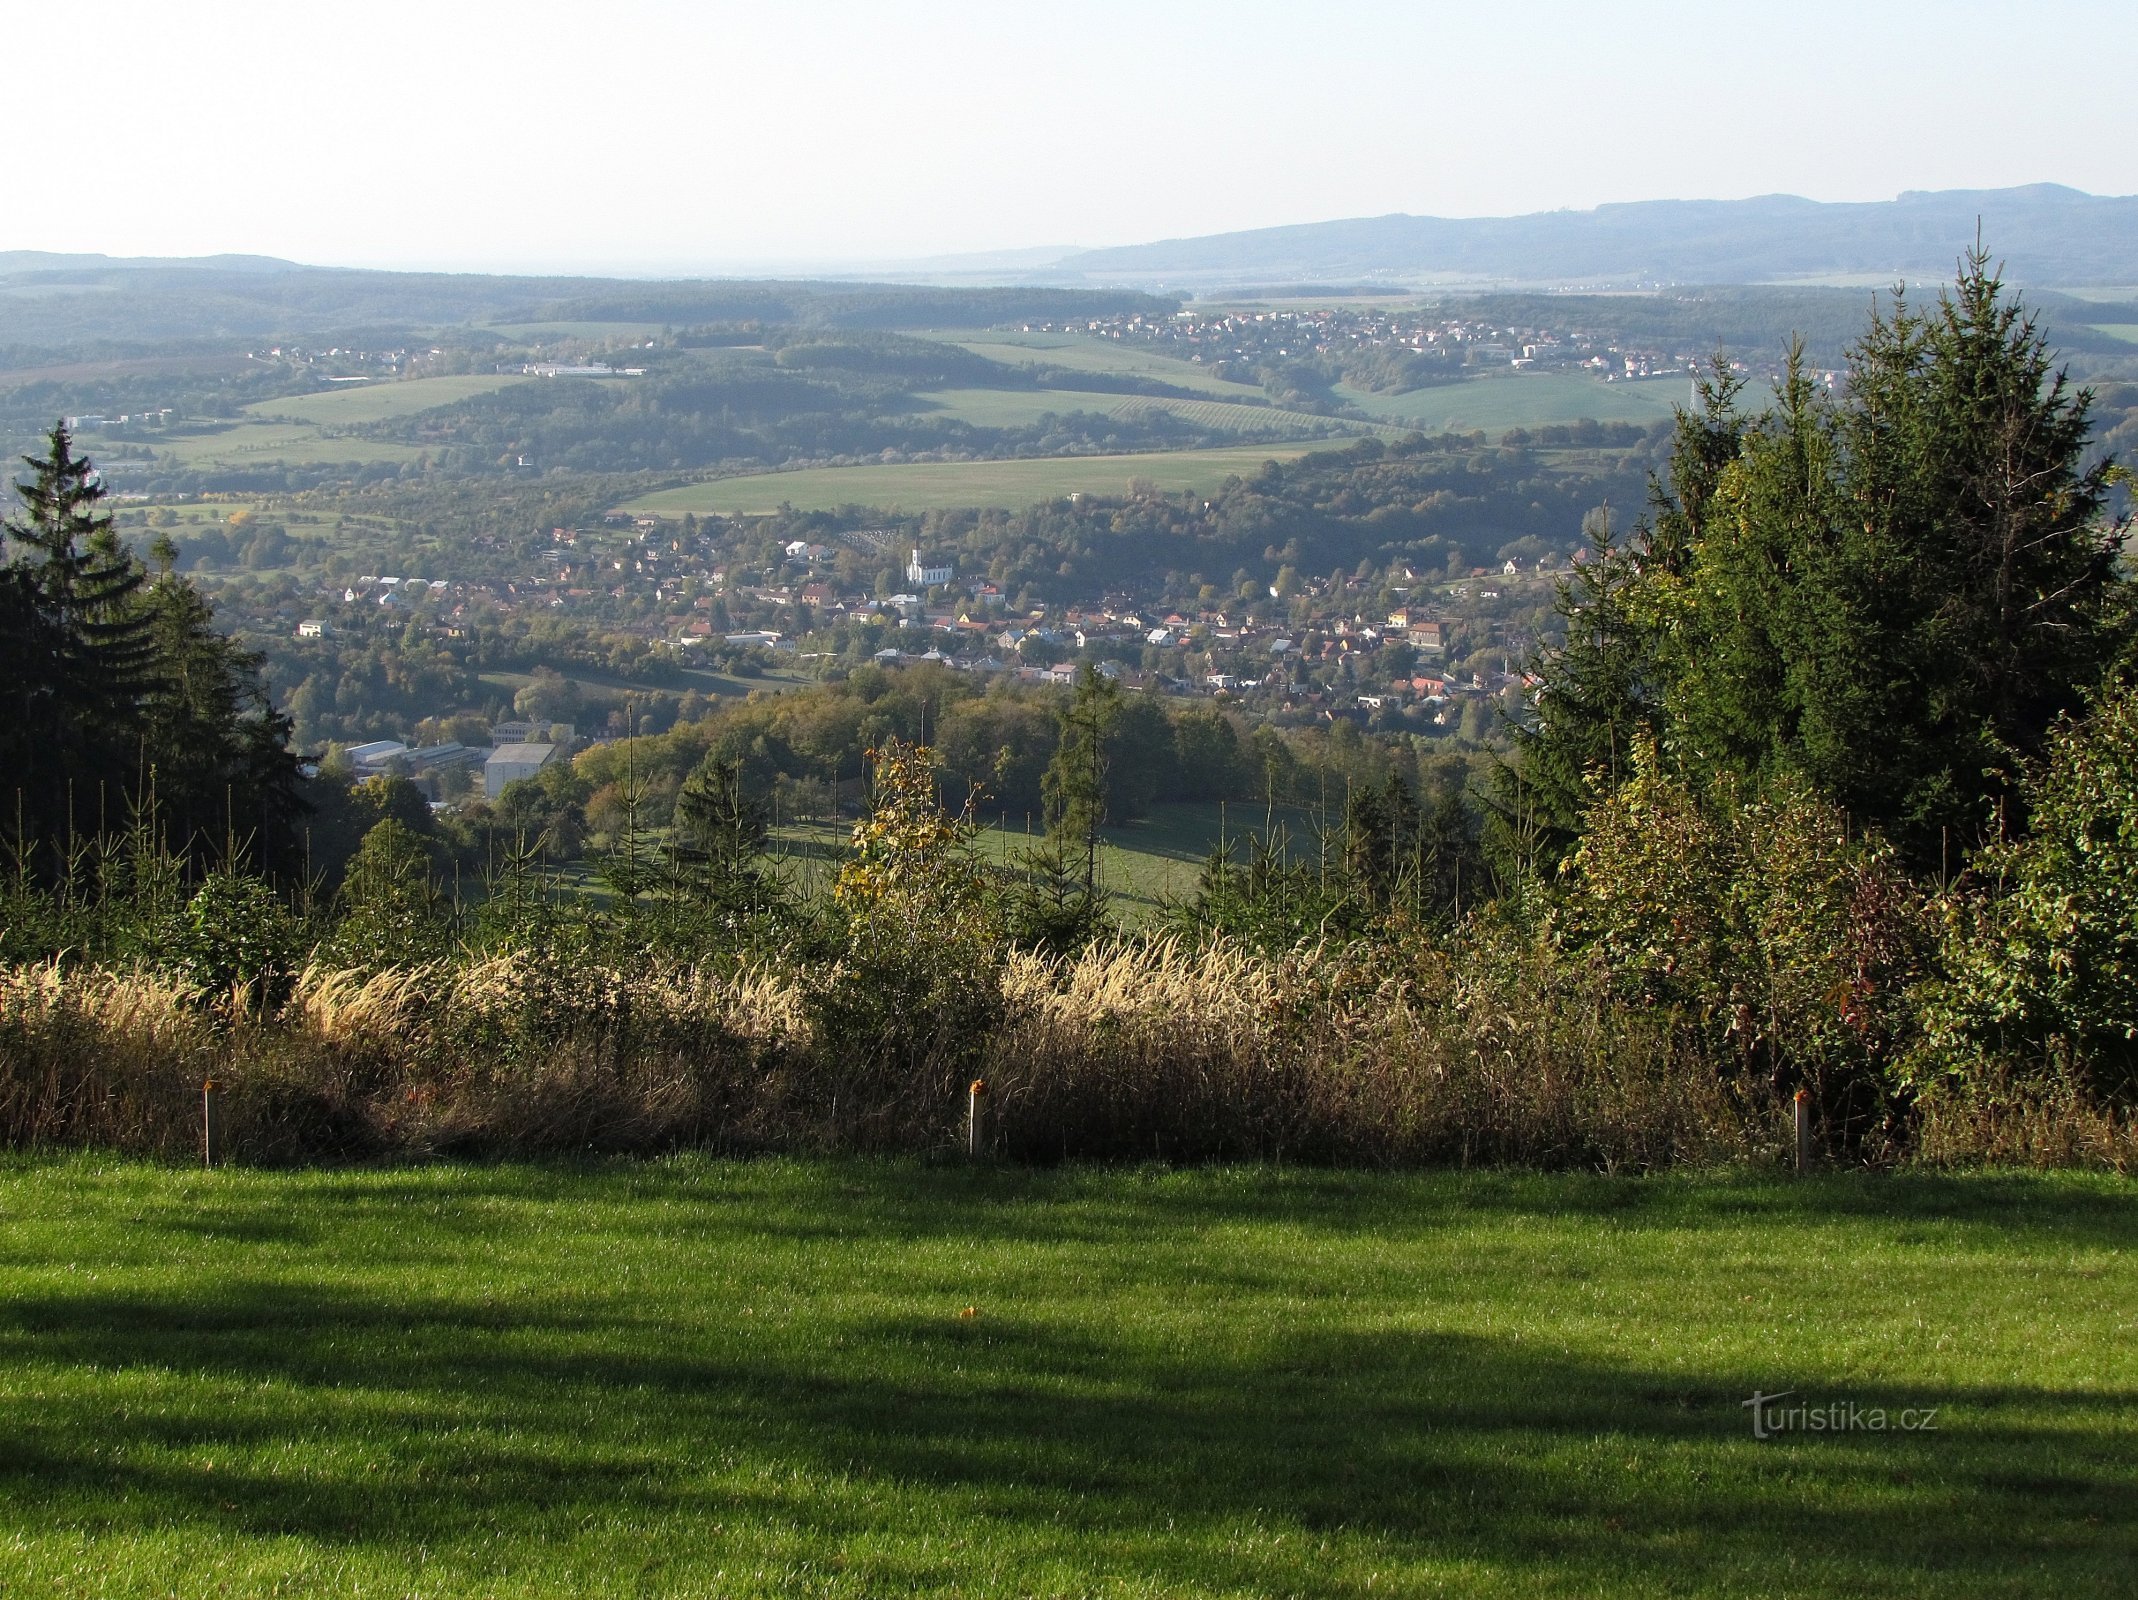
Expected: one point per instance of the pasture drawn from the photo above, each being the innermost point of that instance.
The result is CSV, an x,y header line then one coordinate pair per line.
x,y
695,1376
947,485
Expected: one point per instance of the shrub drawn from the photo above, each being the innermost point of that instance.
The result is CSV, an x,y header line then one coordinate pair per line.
x,y
2041,946
1789,943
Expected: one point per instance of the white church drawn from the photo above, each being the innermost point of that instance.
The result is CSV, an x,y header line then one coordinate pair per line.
x,y
927,577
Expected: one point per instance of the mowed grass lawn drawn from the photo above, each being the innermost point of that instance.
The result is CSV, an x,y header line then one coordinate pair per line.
x,y
849,1378
948,485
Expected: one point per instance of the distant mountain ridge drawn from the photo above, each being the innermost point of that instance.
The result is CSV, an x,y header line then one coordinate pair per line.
x,y
2045,233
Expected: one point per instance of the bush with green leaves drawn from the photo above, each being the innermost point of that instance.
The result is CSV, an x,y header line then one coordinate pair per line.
x,y
1789,942
2041,950
236,940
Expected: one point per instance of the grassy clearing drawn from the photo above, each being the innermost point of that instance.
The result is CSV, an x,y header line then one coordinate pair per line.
x,y
356,404
945,485
1143,864
1527,400
854,1378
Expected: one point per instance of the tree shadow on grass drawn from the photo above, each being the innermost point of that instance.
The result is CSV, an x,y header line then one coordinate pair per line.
x,y
434,1422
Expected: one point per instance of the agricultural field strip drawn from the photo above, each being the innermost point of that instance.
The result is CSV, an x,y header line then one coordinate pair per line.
x,y
355,405
1010,408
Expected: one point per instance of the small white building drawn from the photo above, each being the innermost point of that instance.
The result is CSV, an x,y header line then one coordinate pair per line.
x,y
509,763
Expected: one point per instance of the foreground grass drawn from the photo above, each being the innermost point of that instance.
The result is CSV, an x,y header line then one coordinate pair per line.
x,y
854,1378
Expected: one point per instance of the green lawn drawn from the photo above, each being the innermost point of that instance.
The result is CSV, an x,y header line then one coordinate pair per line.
x,y
357,403
946,485
1522,400
847,1378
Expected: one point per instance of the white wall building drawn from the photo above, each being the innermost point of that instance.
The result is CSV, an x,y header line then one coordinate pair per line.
x,y
509,763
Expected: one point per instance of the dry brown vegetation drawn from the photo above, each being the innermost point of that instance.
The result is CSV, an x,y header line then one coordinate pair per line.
x,y
1135,1049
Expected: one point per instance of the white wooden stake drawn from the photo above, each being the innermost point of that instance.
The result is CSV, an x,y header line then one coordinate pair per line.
x,y
976,1121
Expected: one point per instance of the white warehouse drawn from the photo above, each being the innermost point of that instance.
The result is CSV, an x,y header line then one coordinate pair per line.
x,y
509,763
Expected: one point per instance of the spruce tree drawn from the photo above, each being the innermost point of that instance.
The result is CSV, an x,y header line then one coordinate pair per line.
x,y
84,583
1074,786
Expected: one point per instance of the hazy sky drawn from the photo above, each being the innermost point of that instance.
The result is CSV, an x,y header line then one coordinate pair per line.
x,y
645,134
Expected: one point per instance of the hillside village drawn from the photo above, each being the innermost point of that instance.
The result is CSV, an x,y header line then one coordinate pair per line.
x,y
1393,651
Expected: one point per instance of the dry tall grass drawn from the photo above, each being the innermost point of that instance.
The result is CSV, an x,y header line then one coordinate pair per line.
x,y
1134,1049
1192,1053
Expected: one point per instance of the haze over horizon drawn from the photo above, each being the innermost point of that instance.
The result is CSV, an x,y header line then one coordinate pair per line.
x,y
654,137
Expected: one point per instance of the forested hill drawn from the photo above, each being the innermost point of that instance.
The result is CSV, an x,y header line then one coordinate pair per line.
x,y
2046,234
67,305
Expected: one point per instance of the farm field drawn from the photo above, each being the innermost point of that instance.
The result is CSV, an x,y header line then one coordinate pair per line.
x,y
355,404
1526,400
257,443
696,1376
1081,354
945,485
1016,408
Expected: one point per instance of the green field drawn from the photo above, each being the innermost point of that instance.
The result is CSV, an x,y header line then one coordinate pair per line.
x,y
695,1377
944,485
2126,331
1522,400
250,444
355,404
1020,408
1080,353
1142,865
